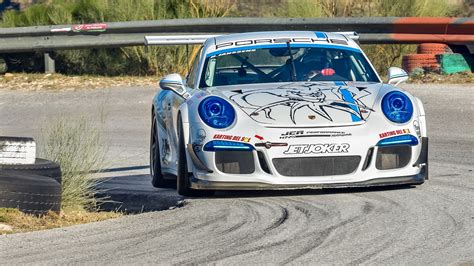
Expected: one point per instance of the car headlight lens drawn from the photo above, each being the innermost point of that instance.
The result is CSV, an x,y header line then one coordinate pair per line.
x,y
397,107
399,140
216,112
224,145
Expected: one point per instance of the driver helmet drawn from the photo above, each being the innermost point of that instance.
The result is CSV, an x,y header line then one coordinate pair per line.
x,y
313,62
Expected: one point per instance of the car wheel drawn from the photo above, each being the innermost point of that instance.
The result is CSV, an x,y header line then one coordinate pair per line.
x,y
40,167
157,179
183,183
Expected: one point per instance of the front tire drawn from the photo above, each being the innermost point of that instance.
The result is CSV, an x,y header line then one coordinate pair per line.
x,y
157,179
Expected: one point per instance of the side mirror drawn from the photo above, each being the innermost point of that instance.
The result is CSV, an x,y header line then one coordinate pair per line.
x,y
174,83
396,76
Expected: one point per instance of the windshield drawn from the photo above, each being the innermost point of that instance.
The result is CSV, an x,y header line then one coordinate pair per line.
x,y
278,64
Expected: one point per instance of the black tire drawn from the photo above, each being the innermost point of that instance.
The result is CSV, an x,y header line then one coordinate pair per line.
x,y
157,178
183,182
29,193
3,66
41,167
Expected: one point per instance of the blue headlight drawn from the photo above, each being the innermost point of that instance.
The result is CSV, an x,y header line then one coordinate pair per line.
x,y
397,107
216,112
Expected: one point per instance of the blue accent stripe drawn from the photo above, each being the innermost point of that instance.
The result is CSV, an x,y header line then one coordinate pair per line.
x,y
321,35
399,140
170,81
399,76
339,83
283,45
347,97
223,145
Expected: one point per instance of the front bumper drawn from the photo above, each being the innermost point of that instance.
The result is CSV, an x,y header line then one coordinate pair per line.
x,y
207,179
417,179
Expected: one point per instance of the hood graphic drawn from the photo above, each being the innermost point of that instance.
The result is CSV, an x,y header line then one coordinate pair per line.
x,y
306,104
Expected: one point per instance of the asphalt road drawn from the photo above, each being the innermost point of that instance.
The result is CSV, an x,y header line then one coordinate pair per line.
x,y
428,224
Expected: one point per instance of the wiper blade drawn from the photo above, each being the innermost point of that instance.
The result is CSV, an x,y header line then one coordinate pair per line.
x,y
293,69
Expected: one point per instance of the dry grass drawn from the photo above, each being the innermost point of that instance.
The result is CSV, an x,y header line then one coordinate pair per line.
x,y
21,222
58,82
78,147
458,78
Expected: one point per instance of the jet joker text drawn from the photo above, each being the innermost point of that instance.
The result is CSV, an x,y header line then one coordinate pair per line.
x,y
317,148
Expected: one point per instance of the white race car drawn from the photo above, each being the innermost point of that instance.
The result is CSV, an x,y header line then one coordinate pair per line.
x,y
284,110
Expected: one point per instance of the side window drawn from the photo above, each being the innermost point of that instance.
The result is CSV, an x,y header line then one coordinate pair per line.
x,y
191,79
210,72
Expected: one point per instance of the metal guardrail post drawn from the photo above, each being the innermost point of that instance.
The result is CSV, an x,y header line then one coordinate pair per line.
x,y
49,64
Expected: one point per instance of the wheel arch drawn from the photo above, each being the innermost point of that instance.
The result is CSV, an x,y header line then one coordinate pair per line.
x,y
184,115
422,117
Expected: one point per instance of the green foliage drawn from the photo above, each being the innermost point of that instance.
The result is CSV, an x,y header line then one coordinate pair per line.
x,y
119,61
77,147
375,8
414,8
304,9
387,55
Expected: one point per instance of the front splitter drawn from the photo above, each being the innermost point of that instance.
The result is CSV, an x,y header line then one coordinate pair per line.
x,y
417,179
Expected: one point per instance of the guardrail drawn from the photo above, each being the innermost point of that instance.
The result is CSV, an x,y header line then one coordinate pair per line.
x,y
375,30
372,30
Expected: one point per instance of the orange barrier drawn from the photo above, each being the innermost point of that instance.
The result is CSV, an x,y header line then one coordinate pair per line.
x,y
435,25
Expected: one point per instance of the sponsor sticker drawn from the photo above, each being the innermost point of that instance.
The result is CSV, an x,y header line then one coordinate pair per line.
x,y
95,27
231,137
308,134
236,52
394,133
65,29
318,148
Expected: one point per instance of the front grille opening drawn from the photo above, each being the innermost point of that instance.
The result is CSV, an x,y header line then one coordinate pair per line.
x,y
235,162
316,166
368,158
393,157
263,162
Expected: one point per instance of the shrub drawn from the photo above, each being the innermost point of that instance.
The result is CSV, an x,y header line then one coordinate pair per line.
x,y
77,146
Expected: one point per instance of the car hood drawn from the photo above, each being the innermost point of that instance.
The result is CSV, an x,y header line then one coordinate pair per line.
x,y
303,104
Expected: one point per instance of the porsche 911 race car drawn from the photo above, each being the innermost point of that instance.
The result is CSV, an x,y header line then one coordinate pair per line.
x,y
284,110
